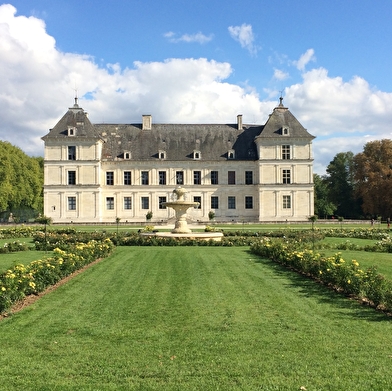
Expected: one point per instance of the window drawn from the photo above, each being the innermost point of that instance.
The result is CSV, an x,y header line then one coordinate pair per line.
x,y
162,155
285,131
197,177
109,202
214,202
162,200
110,178
127,155
197,199
145,202
179,177
214,177
231,177
196,154
231,202
127,178
162,177
248,177
286,176
145,178
71,131
286,152
71,152
248,202
286,202
127,203
230,154
71,177
71,203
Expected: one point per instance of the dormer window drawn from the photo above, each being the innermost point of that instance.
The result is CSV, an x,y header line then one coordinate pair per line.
x,y
71,131
127,155
196,155
162,155
231,154
285,131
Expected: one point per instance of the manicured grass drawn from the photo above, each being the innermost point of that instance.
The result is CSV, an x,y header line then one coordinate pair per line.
x,y
383,261
358,242
21,257
194,318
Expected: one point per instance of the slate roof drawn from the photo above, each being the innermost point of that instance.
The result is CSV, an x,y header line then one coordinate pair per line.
x,y
178,141
282,117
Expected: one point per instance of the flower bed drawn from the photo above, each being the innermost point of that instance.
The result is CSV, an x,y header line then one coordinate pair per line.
x,y
20,281
333,271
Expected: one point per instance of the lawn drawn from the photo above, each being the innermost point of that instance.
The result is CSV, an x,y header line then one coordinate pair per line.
x,y
194,318
22,257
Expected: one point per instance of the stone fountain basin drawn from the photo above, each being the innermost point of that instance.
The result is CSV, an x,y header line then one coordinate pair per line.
x,y
216,236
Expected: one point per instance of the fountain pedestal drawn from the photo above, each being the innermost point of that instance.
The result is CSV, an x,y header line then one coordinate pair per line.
x,y
181,230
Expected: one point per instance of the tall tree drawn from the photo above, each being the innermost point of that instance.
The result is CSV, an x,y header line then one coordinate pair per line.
x,y
323,206
373,172
341,185
21,179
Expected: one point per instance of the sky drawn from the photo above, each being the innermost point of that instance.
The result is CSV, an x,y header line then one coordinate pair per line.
x,y
199,61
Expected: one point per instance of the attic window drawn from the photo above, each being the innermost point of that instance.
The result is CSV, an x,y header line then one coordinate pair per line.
x,y
127,155
285,131
196,155
71,131
231,154
162,155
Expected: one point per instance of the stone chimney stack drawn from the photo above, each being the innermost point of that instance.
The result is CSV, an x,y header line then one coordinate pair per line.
x,y
239,121
147,122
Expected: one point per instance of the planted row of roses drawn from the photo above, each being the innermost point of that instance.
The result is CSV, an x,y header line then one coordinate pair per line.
x,y
347,277
23,280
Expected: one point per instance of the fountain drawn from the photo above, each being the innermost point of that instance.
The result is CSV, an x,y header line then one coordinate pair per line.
x,y
180,206
181,230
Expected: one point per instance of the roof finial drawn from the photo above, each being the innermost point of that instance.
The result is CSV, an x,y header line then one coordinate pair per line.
x,y
281,99
76,98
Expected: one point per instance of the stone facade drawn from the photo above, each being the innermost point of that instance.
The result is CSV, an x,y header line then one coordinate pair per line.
x,y
243,173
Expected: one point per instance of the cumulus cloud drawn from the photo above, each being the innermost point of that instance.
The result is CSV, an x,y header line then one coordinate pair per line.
x,y
37,85
244,35
280,75
188,38
305,59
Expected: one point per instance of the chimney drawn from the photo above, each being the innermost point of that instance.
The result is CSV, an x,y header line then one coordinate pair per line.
x,y
147,122
239,121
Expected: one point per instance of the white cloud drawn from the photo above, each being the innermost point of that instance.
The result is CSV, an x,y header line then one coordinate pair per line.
x,y
244,35
37,83
189,38
280,75
305,59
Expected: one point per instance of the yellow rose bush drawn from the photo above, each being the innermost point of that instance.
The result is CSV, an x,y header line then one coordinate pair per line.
x,y
335,272
20,281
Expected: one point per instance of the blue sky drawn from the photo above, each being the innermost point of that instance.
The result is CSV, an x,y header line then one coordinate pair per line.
x,y
205,61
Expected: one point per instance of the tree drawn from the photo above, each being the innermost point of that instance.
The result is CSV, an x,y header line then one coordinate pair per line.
x,y
21,179
373,172
341,185
322,204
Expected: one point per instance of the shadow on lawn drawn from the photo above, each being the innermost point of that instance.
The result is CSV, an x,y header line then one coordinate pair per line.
x,y
308,287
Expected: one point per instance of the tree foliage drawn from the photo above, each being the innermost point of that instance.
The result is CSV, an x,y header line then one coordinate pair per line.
x,y
21,179
341,185
373,172
323,206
